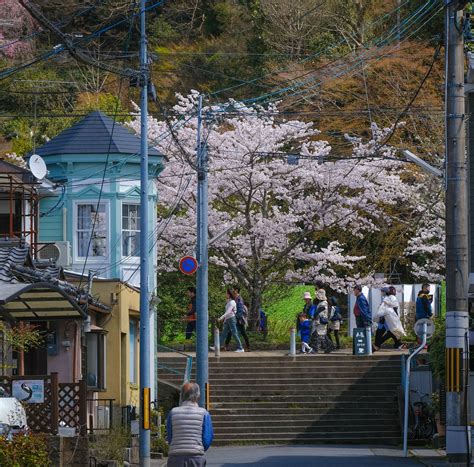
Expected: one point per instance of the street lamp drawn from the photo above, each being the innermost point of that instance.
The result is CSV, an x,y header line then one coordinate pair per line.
x,y
423,164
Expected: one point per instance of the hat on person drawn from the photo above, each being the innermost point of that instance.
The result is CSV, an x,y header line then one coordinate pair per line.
x,y
307,296
358,287
321,294
385,289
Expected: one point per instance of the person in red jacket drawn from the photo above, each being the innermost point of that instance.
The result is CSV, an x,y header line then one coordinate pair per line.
x,y
191,313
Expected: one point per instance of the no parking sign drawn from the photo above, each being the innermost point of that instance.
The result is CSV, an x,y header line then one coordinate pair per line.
x,y
188,265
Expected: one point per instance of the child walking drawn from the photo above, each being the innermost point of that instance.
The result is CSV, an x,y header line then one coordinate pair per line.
x,y
305,333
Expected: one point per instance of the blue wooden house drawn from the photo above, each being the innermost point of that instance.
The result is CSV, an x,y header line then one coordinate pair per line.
x,y
92,223
94,217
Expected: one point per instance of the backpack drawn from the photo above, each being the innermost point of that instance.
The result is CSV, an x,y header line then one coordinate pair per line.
x,y
242,312
335,314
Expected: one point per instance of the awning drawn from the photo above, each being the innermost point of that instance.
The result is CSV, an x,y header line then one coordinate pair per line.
x,y
39,301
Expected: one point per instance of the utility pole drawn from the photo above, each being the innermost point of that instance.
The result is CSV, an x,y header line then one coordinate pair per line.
x,y
458,437
202,301
145,350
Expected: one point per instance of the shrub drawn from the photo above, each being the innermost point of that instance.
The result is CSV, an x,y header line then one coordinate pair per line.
x,y
24,451
111,446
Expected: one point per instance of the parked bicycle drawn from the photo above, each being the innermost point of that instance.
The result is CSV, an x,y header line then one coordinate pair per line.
x,y
424,422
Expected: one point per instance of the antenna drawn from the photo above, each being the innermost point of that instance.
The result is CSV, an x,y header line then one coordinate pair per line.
x,y
37,166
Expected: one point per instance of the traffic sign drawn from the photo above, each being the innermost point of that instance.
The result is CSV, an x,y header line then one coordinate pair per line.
x,y
430,327
188,265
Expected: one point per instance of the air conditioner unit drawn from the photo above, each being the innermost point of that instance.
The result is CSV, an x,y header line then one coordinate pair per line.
x,y
103,417
59,252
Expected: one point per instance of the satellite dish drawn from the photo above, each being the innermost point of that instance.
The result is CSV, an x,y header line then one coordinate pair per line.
x,y
37,166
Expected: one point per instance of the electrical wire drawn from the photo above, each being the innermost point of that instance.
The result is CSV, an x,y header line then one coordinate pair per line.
x,y
6,73
310,57
274,96
117,104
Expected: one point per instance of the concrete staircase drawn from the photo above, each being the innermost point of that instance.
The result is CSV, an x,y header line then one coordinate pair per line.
x,y
333,398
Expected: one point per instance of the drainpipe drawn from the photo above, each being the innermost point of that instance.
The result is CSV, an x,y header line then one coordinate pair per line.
x,y
64,224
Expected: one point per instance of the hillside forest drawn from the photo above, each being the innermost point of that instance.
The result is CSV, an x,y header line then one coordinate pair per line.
x,y
349,68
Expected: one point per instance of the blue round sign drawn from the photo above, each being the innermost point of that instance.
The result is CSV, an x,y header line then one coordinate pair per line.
x,y
188,265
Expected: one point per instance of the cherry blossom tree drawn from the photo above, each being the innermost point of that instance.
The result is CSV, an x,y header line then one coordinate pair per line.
x,y
15,23
273,220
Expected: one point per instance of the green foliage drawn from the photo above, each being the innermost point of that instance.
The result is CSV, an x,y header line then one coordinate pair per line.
x,y
437,350
24,451
158,443
172,308
282,311
20,337
111,446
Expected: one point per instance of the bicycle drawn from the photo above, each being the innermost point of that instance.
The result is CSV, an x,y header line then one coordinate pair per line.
x,y
425,425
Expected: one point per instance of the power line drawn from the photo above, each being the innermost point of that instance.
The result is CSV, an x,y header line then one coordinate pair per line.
x,y
117,103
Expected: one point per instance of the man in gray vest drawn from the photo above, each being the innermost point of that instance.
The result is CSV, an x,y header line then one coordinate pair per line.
x,y
189,430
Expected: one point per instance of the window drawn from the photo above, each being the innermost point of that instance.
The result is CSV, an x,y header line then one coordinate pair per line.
x,y
130,230
133,351
90,216
95,342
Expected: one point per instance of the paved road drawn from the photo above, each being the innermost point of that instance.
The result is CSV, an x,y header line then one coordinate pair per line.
x,y
307,456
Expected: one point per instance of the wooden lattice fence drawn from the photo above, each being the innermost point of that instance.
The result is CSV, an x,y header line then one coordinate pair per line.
x,y
63,402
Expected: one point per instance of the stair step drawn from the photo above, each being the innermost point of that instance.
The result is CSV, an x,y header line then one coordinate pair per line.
x,y
305,399
313,428
264,418
312,435
309,411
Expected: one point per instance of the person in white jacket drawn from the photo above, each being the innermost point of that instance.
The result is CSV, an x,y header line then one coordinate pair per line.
x,y
230,322
388,313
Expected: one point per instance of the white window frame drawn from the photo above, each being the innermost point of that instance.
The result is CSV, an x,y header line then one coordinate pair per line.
x,y
122,230
90,259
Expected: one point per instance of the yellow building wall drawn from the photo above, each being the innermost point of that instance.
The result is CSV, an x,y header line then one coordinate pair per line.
x,y
124,302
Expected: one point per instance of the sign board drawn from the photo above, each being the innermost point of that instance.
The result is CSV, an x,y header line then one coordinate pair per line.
x,y
361,341
188,265
36,385
430,327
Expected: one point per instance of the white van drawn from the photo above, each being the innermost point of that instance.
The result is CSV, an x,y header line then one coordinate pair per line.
x,y
12,417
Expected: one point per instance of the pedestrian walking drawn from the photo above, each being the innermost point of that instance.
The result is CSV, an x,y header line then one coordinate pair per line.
x,y
423,303
191,313
230,322
305,333
262,323
320,340
335,321
392,327
308,309
189,430
362,312
241,317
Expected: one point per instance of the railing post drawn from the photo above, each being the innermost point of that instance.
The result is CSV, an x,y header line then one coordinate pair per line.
x,y
187,371
217,342
293,342
82,407
54,403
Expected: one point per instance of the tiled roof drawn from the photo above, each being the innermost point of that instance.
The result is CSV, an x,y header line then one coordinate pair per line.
x,y
94,134
16,268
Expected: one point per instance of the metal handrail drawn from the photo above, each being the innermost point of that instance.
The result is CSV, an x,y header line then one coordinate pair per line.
x,y
407,389
189,363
